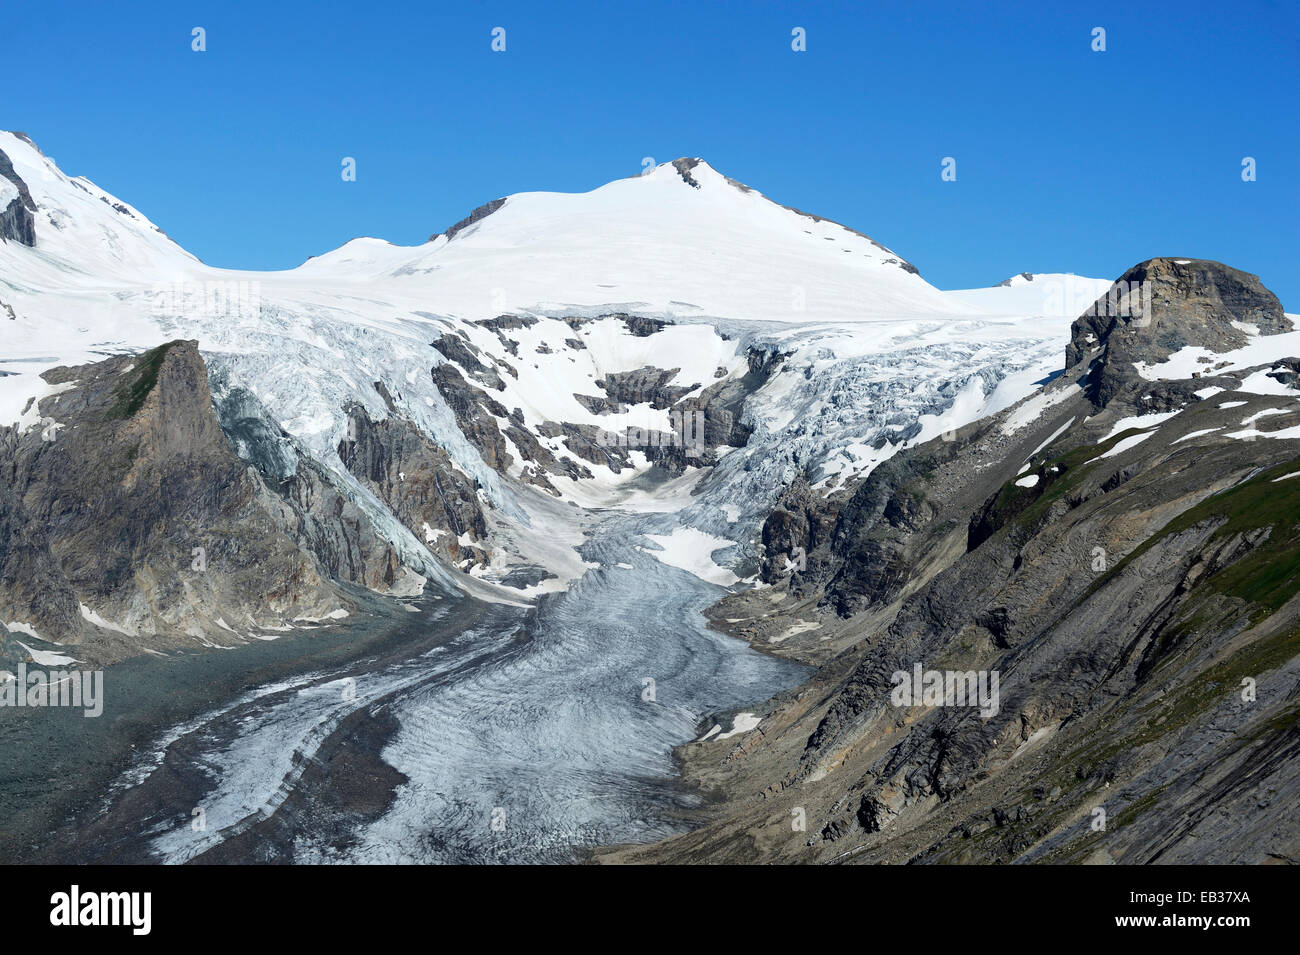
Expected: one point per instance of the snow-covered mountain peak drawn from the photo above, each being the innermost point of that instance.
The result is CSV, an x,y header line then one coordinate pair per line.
x,y
83,230
679,241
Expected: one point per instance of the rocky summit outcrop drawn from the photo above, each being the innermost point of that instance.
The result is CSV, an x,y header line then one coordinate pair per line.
x,y
1162,305
1121,553
480,213
129,522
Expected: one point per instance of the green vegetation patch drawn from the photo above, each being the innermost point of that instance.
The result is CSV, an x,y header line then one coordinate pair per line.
x,y
1269,575
1025,506
1210,687
131,394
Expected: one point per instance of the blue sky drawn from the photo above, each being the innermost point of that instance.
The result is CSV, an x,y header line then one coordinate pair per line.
x,y
1067,159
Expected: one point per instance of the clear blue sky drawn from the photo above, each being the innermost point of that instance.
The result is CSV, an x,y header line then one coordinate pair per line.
x,y
1067,159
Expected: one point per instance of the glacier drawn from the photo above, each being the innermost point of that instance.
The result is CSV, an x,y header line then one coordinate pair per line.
x,y
539,713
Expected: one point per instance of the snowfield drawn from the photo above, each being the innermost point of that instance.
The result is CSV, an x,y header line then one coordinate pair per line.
x,y
656,245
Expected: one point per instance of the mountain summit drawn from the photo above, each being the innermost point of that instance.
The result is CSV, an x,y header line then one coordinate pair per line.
x,y
681,240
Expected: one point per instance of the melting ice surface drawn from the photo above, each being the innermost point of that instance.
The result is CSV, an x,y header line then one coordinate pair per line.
x,y
539,723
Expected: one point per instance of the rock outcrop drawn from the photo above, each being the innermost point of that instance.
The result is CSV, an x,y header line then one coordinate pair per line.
x,y
17,222
418,482
129,522
1162,305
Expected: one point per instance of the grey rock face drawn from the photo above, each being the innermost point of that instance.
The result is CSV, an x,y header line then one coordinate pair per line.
x,y
855,547
328,523
341,537
454,348
1162,305
684,167
128,498
644,385
17,224
505,322
592,444
1005,283
417,480
642,326
482,212
476,414
33,587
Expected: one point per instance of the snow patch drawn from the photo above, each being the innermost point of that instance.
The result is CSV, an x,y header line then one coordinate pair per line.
x,y
1196,434
94,618
45,658
1131,441
743,723
692,551
1140,421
